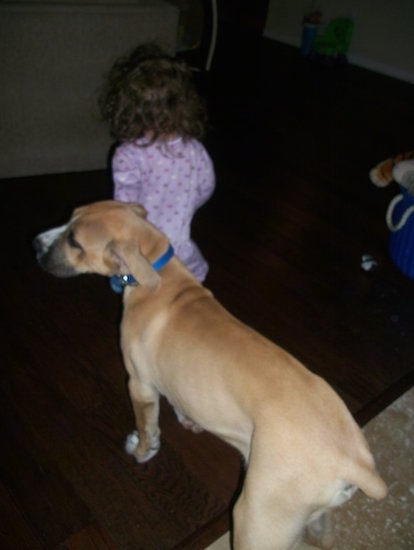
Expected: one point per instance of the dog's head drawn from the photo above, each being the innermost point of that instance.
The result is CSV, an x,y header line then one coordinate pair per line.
x,y
108,238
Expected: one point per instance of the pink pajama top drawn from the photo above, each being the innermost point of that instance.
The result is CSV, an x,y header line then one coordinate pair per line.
x,y
171,180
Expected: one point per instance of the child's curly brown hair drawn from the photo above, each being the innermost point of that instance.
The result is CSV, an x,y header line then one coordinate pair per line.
x,y
150,94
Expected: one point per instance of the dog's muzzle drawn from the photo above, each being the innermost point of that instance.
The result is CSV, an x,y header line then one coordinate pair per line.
x,y
50,257
39,247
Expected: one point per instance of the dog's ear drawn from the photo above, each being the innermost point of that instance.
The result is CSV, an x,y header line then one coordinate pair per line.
x,y
77,212
138,209
127,259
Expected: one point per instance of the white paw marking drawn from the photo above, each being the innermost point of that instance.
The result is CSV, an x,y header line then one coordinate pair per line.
x,y
131,442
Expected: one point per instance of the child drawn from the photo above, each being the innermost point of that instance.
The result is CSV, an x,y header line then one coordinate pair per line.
x,y
156,115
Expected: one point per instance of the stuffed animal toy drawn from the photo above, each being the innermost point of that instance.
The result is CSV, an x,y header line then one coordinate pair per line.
x,y
399,169
400,212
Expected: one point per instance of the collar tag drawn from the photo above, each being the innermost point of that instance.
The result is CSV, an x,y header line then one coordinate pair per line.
x,y
119,282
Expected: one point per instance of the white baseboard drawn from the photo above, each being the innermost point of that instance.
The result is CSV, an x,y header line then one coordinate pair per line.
x,y
284,38
381,68
354,59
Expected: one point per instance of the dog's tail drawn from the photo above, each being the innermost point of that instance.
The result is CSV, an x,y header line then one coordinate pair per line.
x,y
373,485
364,476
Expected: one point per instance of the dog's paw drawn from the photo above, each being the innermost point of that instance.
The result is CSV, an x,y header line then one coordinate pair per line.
x,y
192,426
131,442
132,447
187,423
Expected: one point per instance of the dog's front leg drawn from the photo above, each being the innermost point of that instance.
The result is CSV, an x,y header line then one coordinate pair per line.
x,y
144,443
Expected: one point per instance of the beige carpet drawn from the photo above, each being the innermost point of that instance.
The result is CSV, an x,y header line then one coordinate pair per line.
x,y
361,523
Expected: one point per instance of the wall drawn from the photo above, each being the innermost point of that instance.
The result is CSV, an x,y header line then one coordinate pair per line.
x,y
383,38
53,61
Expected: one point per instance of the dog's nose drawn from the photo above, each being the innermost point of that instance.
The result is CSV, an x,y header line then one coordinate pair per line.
x,y
38,245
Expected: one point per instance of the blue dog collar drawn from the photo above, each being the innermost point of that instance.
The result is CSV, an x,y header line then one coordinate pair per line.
x,y
119,282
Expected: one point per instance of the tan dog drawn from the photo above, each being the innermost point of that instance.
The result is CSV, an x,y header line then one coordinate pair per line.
x,y
303,451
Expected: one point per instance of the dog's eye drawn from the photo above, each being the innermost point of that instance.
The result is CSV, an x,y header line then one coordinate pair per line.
x,y
72,242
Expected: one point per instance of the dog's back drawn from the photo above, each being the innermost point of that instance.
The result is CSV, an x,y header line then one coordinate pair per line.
x,y
232,373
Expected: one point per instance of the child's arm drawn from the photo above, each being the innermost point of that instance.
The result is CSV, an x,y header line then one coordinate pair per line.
x,y
126,174
207,182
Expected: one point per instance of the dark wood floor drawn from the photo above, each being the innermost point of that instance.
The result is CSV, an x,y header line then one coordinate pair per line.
x,y
284,233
